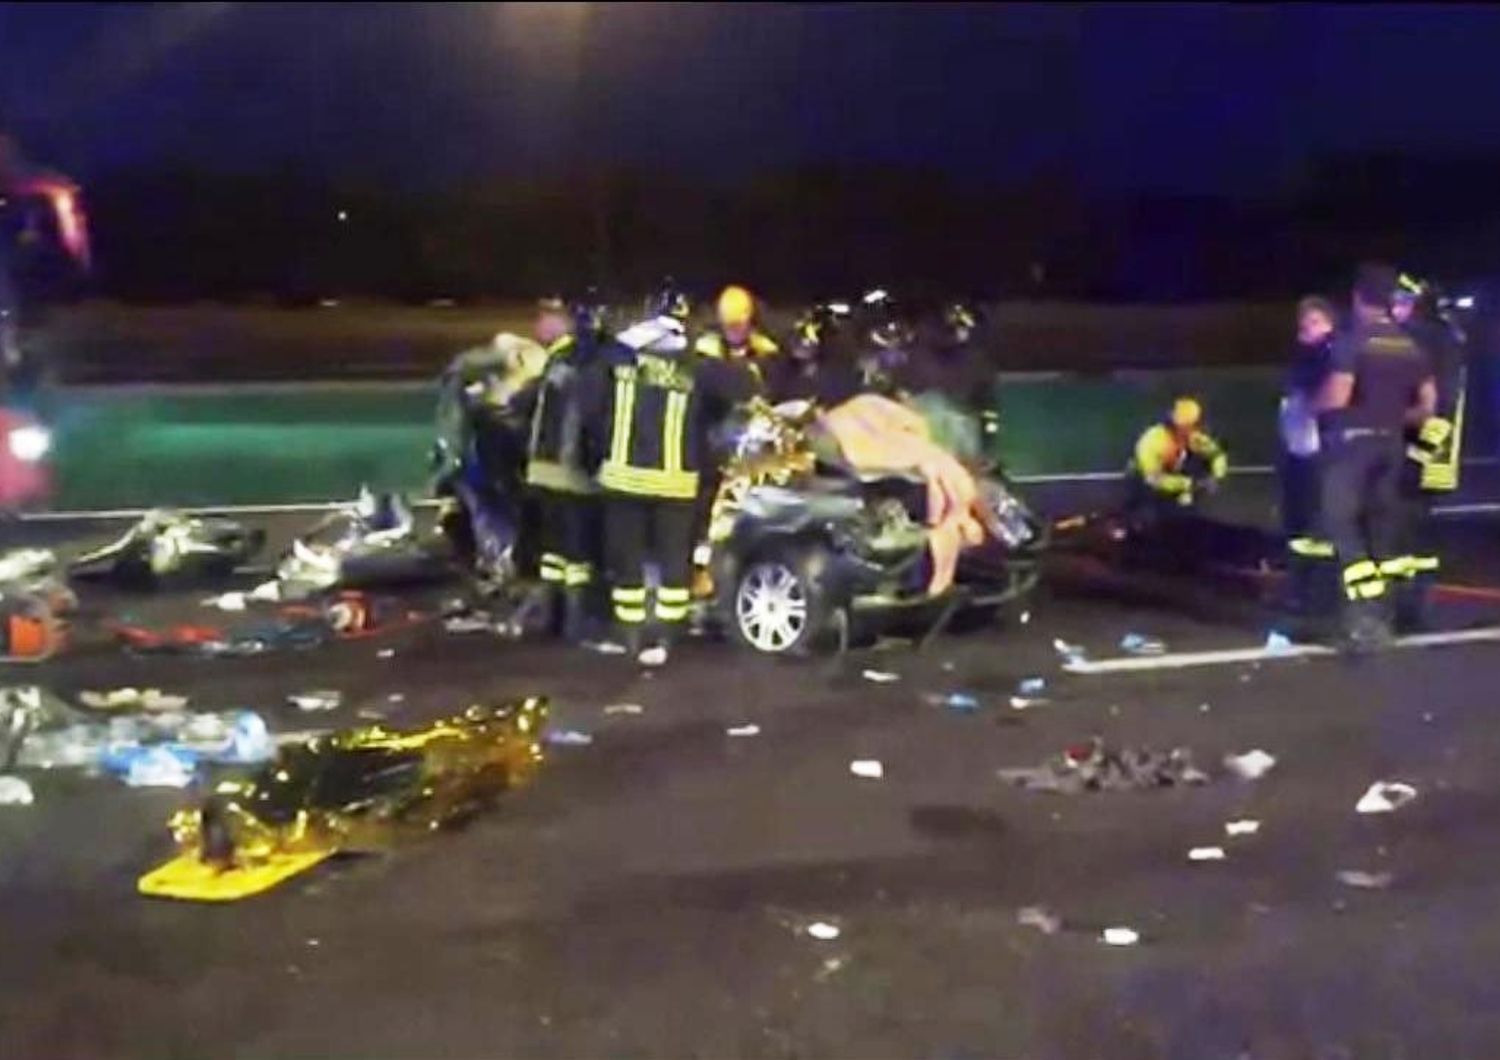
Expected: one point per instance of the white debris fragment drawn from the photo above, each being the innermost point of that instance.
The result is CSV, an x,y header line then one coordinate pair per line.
x,y
149,699
1039,917
1369,881
1244,826
396,697
1119,936
1206,854
743,730
604,647
386,653
1252,765
869,768
266,592
15,792
1385,797
322,699
624,708
1026,702
823,931
881,677
227,602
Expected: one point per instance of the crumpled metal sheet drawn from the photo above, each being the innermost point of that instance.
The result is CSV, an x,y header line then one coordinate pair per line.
x,y
1093,766
167,543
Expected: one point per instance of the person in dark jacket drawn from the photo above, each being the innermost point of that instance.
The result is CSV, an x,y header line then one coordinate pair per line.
x,y
822,364
1311,573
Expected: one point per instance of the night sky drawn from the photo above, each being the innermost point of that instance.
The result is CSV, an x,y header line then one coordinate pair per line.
x,y
1220,99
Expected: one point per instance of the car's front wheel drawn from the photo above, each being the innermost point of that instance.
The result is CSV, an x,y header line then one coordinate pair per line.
x,y
780,604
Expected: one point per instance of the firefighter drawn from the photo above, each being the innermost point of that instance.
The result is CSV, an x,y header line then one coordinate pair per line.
x,y
1379,382
1432,447
1174,463
821,365
558,473
735,336
650,405
1311,574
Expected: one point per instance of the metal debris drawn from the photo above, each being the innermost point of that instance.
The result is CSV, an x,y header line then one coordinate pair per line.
x,y
1385,796
1092,766
1252,765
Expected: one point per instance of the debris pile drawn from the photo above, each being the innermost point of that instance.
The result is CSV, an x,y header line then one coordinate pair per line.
x,y
1094,766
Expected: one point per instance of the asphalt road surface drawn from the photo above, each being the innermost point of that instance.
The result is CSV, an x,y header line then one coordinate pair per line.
x,y
649,895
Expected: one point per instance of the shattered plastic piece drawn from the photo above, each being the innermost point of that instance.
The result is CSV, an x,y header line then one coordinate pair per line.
x,y
1206,854
1140,644
1025,703
1245,826
323,699
227,602
653,656
266,592
624,708
1069,652
1092,766
160,767
386,653
15,792
742,730
1385,796
1278,643
823,931
1370,881
1119,936
356,790
881,677
127,699
869,768
1252,765
1039,917
1032,686
567,738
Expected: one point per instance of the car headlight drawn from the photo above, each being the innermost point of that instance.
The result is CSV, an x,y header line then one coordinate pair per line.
x,y
30,444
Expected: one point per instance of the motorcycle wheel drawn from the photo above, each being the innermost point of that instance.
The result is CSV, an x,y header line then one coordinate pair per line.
x,y
779,604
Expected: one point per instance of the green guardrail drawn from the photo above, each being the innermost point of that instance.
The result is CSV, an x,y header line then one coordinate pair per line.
x,y
136,447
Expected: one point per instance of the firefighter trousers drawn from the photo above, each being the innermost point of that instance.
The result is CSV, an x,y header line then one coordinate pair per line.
x,y
1362,511
568,550
642,531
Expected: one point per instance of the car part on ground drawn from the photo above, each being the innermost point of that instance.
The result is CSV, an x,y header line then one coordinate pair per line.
x,y
357,790
169,547
369,542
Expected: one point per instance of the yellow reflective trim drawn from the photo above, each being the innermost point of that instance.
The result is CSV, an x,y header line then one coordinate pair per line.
x,y
1359,571
632,615
673,596
635,595
578,574
671,612
1423,564
649,482
1395,568
1313,547
672,431
624,412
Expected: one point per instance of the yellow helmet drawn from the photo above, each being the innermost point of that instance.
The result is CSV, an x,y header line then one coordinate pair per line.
x,y
1187,413
736,307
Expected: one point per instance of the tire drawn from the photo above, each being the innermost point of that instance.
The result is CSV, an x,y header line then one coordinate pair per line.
x,y
780,603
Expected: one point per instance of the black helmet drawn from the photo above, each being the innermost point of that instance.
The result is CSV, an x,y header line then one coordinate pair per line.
x,y
670,301
589,313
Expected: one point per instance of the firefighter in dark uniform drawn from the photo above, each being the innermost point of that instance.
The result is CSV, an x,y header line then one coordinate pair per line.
x,y
650,406
1433,447
1379,382
558,470
1313,587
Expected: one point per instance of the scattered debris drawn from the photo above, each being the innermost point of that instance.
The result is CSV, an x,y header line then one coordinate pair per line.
x,y
158,767
1092,766
654,656
962,702
604,647
869,768
1244,826
1032,686
1023,703
1252,765
130,699
227,602
1119,936
830,967
386,653
15,792
322,699
1278,643
567,738
624,708
881,677
1385,796
1025,618
1369,881
171,545
1071,653
1206,854
742,730
266,592
823,931
396,697
473,622
1141,644
1039,917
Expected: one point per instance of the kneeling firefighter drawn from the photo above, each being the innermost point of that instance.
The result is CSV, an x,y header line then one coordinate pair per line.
x,y
558,470
1433,447
650,405
1174,463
